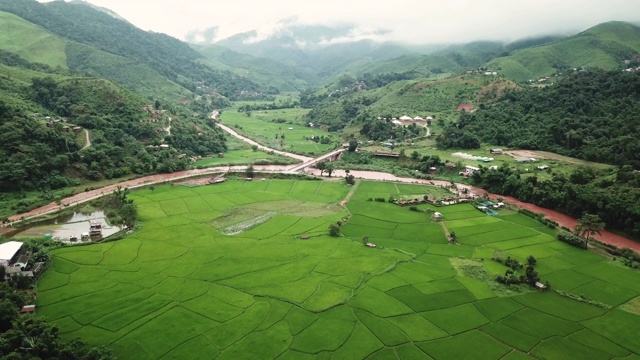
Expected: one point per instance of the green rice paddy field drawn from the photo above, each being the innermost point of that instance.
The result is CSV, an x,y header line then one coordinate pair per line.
x,y
178,288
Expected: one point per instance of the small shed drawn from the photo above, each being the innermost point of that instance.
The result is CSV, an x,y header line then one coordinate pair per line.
x,y
496,151
540,286
437,215
28,309
371,245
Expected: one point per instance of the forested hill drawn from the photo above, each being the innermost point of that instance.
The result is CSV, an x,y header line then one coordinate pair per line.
x,y
166,55
592,115
46,115
604,46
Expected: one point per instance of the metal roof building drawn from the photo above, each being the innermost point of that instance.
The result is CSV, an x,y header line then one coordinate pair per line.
x,y
8,250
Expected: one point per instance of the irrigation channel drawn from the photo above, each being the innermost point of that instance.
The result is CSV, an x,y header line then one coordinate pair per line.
x,y
564,220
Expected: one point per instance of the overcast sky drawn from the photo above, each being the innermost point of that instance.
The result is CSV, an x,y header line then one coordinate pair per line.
x,y
413,21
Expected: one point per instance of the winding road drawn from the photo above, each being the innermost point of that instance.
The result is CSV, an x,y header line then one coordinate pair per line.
x,y
563,220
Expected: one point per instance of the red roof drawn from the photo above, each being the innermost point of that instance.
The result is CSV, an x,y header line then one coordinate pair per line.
x,y
29,308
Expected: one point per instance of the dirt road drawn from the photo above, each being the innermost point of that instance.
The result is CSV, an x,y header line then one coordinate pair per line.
x,y
262,147
87,142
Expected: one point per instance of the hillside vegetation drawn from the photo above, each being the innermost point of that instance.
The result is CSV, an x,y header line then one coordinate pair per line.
x,y
31,42
604,46
591,115
168,56
263,71
40,150
421,97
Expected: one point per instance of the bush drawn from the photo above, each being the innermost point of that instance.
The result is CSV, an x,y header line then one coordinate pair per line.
x,y
380,199
414,208
334,230
571,239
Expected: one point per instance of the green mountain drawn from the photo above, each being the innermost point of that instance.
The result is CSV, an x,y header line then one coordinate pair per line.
x,y
150,53
350,104
263,71
604,46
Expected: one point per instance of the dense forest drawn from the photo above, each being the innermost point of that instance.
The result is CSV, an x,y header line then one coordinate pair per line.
x,y
166,55
592,115
613,197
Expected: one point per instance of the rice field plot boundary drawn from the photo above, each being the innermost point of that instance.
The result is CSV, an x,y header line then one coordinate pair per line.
x,y
268,293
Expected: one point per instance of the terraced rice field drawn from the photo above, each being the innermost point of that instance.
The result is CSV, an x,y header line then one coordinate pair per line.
x,y
179,288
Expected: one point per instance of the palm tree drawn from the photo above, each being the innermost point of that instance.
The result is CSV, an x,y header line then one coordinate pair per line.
x,y
587,226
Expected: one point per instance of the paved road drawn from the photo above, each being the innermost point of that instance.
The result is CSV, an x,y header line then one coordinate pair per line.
x,y
563,220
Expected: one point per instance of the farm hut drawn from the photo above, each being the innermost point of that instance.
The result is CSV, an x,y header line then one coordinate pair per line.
x,y
540,286
450,165
522,159
371,245
543,167
496,151
406,118
437,215
28,309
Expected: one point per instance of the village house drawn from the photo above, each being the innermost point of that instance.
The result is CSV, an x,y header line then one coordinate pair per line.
x,y
495,151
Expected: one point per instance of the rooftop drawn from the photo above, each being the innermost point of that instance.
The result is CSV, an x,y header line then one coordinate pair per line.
x,y
9,249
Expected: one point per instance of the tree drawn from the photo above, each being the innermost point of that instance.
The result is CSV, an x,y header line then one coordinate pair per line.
x,y
587,226
531,260
157,105
322,166
329,168
365,240
249,172
353,145
453,237
254,147
3,272
349,179
334,230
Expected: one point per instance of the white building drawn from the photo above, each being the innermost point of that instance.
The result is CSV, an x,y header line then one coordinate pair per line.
x,y
8,251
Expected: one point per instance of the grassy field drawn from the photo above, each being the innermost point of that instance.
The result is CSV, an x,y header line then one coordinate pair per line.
x,y
178,287
260,127
31,42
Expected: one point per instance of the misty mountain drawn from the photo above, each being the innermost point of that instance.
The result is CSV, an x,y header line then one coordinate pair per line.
x,y
604,46
321,49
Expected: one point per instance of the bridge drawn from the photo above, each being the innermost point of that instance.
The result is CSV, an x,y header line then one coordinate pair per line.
x,y
308,163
